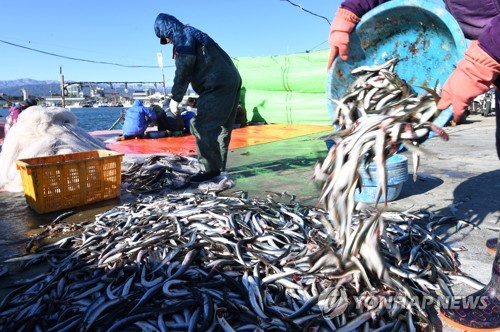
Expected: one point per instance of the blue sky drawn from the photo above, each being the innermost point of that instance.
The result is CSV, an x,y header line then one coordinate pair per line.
x,y
121,32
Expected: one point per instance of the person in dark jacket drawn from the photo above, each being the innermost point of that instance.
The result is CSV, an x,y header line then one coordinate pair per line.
x,y
161,117
199,60
137,119
473,76
241,117
189,113
167,121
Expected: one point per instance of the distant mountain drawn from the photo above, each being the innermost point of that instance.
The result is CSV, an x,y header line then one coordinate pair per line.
x,y
34,88
37,88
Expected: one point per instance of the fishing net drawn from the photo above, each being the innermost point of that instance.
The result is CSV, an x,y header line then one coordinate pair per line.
x,y
41,131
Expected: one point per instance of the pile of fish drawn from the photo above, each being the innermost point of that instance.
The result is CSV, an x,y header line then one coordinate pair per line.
x,y
167,173
158,172
205,262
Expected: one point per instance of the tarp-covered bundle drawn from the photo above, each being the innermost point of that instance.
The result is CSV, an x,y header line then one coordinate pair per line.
x,y
40,132
285,89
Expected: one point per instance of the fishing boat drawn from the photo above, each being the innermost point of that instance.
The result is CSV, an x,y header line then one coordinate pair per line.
x,y
74,105
101,104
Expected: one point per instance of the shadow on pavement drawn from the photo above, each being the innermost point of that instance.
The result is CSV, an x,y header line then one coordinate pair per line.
x,y
480,196
423,184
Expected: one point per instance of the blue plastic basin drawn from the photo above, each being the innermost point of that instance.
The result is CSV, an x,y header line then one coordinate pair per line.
x,y
397,174
329,143
424,36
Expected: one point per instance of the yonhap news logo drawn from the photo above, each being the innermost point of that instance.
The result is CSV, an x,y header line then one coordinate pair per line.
x,y
334,301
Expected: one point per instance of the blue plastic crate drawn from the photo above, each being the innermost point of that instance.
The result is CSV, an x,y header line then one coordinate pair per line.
x,y
397,174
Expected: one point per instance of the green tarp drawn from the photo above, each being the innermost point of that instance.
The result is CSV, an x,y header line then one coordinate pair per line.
x,y
286,88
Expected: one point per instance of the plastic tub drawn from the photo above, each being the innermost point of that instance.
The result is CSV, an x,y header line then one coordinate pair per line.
x,y
329,143
423,35
397,174
155,134
175,133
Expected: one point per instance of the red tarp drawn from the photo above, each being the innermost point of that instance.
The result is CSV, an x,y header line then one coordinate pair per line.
x,y
241,137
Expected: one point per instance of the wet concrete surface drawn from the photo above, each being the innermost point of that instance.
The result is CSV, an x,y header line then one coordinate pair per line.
x,y
459,177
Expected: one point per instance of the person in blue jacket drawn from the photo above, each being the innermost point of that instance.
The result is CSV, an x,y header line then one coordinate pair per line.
x,y
137,119
201,62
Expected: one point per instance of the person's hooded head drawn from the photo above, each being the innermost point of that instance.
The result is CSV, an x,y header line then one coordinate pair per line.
x,y
167,26
29,102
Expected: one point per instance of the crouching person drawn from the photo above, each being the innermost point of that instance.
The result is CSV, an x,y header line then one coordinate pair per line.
x,y
137,120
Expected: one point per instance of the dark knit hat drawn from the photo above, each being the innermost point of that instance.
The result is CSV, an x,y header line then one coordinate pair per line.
x,y
30,102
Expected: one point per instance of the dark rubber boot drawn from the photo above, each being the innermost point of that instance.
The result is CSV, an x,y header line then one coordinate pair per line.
x,y
204,176
486,315
491,244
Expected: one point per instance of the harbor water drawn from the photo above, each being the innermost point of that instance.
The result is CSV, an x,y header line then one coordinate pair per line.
x,y
91,119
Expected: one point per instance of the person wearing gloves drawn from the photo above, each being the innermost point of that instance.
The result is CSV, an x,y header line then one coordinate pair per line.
x,y
473,76
137,119
199,60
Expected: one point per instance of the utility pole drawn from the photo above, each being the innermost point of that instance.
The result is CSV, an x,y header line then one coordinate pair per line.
x,y
159,56
62,87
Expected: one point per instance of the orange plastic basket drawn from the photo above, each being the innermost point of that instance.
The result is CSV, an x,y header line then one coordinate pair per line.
x,y
69,180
